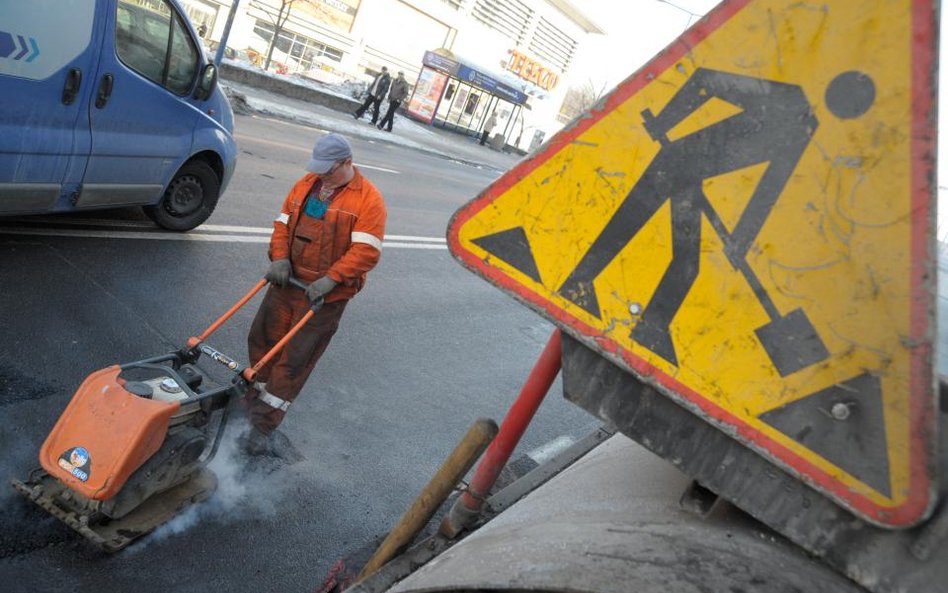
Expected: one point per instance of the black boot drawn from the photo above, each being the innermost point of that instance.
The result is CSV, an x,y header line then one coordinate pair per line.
x,y
255,442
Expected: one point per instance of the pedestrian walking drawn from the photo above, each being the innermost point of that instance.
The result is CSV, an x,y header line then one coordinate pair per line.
x,y
488,127
374,95
328,235
396,95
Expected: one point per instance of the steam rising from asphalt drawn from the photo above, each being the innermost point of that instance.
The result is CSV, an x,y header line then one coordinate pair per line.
x,y
243,492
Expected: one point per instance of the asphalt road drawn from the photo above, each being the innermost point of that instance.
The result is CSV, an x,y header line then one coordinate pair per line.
x,y
422,352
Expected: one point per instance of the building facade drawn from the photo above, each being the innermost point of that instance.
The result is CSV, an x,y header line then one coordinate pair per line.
x,y
465,59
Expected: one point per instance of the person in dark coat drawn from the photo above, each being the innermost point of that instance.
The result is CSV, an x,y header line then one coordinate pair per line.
x,y
488,127
396,95
374,95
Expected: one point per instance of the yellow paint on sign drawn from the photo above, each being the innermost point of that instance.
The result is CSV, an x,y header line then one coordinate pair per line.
x,y
834,244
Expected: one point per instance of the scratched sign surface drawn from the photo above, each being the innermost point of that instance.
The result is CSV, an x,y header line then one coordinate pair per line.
x,y
746,223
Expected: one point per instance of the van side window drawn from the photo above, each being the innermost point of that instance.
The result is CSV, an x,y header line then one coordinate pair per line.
x,y
151,39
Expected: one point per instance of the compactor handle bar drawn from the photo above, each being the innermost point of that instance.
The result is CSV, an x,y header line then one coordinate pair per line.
x,y
249,374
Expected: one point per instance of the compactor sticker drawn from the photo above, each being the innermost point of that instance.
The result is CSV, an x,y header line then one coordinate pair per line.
x,y
746,223
76,462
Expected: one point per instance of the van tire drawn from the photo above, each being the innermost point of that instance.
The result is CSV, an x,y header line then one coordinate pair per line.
x,y
189,199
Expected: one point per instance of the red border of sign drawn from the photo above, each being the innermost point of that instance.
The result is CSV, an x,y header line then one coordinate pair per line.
x,y
922,381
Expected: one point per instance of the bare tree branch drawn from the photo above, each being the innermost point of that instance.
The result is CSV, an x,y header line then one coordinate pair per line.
x,y
279,21
580,99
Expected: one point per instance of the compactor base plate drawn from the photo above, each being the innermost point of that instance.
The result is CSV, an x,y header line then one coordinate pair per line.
x,y
113,535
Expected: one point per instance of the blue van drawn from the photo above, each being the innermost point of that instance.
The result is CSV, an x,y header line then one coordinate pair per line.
x,y
108,103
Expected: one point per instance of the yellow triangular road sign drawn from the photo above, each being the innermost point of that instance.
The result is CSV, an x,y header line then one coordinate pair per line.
x,y
746,223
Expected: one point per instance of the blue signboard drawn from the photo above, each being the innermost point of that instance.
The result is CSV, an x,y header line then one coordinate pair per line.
x,y
474,77
441,63
511,94
489,84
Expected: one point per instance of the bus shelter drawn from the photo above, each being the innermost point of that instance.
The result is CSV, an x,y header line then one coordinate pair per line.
x,y
456,96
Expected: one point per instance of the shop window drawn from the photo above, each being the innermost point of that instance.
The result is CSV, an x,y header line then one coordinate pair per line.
x,y
471,104
332,53
263,30
302,49
202,15
283,44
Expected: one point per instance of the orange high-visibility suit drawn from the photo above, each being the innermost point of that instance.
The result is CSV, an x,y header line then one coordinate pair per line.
x,y
344,244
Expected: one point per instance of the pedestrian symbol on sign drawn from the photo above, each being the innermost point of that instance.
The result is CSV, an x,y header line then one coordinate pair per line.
x,y
774,126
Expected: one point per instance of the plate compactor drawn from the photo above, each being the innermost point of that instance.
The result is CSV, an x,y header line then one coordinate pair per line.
x,y
131,449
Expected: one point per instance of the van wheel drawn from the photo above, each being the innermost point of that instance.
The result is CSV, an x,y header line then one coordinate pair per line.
x,y
189,200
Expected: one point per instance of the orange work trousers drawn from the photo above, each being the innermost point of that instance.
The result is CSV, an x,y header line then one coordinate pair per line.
x,y
285,375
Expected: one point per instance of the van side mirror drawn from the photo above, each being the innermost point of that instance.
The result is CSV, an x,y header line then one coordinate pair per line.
x,y
207,83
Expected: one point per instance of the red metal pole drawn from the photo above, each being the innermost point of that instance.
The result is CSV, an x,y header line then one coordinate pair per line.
x,y
515,423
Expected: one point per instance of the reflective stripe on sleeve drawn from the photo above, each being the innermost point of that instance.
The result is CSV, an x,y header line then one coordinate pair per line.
x,y
368,239
283,217
274,402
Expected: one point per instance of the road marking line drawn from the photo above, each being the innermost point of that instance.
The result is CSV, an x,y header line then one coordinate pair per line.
x,y
410,238
267,231
227,228
389,244
212,228
396,241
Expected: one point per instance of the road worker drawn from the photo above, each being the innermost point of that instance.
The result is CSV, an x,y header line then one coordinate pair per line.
x,y
328,235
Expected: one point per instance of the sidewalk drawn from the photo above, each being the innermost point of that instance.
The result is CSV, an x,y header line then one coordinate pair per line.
x,y
406,132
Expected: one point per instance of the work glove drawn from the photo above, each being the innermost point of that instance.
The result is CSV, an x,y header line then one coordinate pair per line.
x,y
279,272
320,288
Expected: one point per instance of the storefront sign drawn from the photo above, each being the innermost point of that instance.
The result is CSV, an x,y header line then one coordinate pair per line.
x,y
531,70
492,86
512,95
337,13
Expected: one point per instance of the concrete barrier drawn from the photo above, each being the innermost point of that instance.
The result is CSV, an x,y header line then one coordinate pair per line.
x,y
287,88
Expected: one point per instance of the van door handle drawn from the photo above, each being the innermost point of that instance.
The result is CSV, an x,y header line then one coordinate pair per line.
x,y
71,88
105,91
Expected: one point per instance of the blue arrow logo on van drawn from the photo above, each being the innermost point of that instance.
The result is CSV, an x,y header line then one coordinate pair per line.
x,y
36,50
9,43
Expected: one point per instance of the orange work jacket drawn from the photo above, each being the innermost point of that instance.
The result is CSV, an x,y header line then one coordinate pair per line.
x,y
344,245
